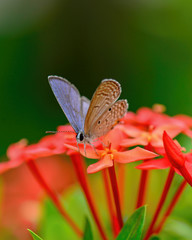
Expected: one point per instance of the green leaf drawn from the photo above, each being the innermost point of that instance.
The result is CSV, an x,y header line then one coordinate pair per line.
x,y
54,227
132,230
154,238
88,235
34,235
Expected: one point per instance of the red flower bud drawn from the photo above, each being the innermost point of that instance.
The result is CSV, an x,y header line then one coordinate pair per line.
x,y
173,152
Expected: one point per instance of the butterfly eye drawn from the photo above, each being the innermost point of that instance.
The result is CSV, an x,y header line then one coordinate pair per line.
x,y
109,109
81,137
99,122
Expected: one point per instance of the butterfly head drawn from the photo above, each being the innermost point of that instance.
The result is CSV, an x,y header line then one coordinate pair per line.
x,y
80,137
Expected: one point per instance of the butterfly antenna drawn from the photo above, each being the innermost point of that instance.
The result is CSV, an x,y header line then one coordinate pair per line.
x,y
59,131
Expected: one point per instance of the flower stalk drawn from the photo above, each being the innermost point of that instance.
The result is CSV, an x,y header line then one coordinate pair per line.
x,y
121,183
78,163
53,196
115,190
115,226
143,183
142,188
171,206
161,202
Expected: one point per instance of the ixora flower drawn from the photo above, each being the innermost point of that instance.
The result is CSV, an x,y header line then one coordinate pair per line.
x,y
172,157
147,127
49,145
21,200
187,121
19,153
178,159
111,152
178,162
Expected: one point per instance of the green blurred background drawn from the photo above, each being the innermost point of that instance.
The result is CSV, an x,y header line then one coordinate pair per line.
x,y
145,44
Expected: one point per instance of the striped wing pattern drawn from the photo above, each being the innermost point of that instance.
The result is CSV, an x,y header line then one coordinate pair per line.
x,y
105,95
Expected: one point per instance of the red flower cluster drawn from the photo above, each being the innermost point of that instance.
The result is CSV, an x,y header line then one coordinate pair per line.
x,y
143,128
150,131
50,145
112,151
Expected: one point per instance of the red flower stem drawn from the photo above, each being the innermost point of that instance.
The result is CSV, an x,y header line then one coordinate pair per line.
x,y
53,196
171,205
110,206
161,202
142,188
121,183
183,170
115,190
143,183
78,163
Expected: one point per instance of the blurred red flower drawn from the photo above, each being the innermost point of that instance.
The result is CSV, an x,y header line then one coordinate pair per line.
x,y
172,157
22,195
49,145
147,127
21,192
188,123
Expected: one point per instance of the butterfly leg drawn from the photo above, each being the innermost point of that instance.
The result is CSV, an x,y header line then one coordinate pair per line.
x,y
103,144
93,148
85,148
96,140
78,146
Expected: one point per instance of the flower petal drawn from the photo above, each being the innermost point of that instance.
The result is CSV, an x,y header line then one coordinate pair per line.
x,y
188,132
129,118
36,151
188,157
132,155
130,142
105,162
155,164
131,130
5,166
171,129
184,118
114,137
15,150
188,165
144,115
90,151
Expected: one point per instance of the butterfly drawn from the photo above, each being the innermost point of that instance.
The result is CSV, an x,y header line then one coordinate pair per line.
x,y
90,119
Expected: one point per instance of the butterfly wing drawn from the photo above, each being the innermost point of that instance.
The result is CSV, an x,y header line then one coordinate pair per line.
x,y
70,101
85,102
105,95
108,119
